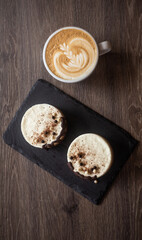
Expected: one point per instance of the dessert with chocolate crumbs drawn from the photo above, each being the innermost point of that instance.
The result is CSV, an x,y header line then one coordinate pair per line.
x,y
43,126
90,156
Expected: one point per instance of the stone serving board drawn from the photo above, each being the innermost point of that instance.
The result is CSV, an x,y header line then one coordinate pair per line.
x,y
81,119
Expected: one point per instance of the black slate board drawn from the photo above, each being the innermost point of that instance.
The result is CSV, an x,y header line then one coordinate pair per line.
x,y
80,120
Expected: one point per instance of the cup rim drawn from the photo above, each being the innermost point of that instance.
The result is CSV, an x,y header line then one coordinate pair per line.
x,y
79,79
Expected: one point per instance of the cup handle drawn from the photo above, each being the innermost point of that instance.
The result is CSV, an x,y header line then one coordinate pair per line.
x,y
104,47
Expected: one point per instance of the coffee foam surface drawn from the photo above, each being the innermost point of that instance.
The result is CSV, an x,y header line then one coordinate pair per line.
x,y
90,155
71,53
38,125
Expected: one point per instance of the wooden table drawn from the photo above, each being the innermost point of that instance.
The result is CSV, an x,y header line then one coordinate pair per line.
x,y
33,204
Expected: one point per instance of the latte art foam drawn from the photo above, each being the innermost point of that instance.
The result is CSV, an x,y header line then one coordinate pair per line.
x,y
71,53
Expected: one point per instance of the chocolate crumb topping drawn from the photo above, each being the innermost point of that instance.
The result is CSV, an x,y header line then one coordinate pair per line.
x,y
60,137
90,171
71,157
47,146
81,154
93,168
42,141
39,139
55,121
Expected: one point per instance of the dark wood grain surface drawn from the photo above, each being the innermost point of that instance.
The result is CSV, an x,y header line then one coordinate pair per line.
x,y
34,204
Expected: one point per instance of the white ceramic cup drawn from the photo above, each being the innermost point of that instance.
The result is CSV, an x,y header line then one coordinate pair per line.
x,y
102,48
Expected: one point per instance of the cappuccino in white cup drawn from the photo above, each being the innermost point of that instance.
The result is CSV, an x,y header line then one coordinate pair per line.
x,y
71,54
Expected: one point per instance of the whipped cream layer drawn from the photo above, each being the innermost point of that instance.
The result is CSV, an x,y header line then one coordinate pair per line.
x,y
41,124
90,155
72,55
